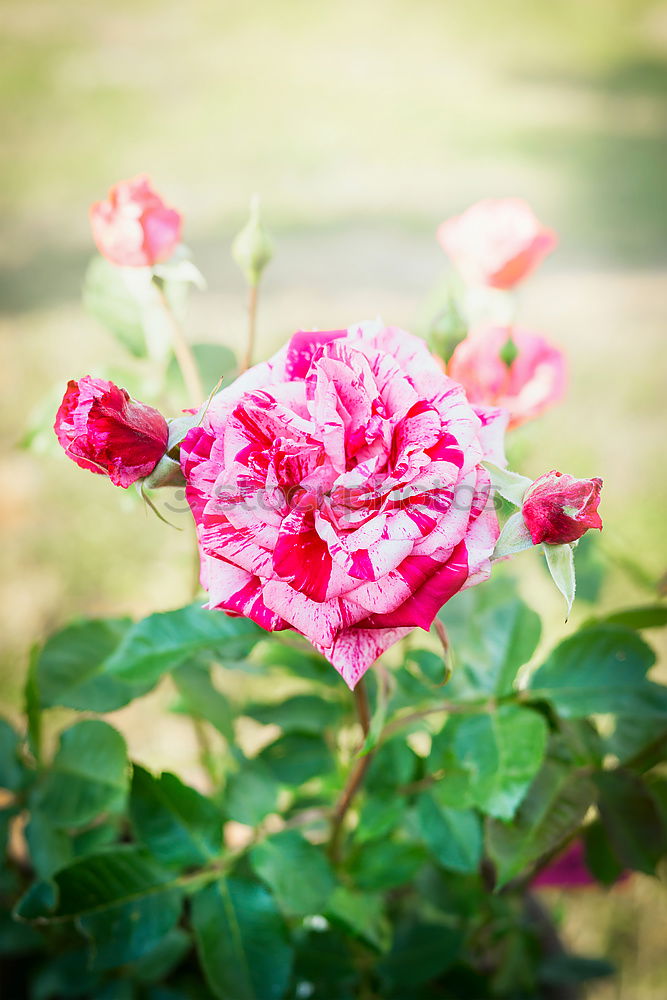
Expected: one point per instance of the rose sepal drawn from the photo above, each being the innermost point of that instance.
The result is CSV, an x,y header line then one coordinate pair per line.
x,y
511,486
513,538
167,472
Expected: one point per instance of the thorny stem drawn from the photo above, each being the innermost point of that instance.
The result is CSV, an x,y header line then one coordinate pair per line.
x,y
253,294
355,777
183,352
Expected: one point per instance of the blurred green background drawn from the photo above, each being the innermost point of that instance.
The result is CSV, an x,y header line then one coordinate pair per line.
x,y
362,125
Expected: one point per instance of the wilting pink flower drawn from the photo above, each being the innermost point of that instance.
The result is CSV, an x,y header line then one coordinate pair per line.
x,y
534,381
559,508
569,870
103,430
134,227
338,491
496,242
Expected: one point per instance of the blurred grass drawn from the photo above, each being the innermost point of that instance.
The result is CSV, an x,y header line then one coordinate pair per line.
x,y
362,125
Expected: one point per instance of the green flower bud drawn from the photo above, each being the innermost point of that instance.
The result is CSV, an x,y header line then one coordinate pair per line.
x,y
509,352
447,329
253,248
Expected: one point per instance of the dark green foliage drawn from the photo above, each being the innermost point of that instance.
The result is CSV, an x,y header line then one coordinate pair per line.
x,y
242,941
135,895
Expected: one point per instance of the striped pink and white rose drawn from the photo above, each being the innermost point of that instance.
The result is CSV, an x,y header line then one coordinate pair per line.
x,y
338,491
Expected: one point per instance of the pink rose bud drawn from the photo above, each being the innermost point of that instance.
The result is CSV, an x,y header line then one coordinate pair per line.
x,y
496,242
517,370
103,430
559,508
134,227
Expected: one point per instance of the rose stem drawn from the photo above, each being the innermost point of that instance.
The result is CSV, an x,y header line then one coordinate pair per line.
x,y
183,352
355,777
253,295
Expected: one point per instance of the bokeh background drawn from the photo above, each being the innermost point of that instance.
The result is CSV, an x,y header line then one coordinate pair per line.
x,y
362,124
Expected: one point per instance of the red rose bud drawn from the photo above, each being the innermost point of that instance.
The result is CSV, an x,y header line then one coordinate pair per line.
x,y
103,430
134,227
559,508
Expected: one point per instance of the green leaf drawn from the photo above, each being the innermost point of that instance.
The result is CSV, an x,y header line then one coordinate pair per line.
x,y
296,758
564,969
158,963
601,860
648,616
395,763
12,772
33,712
379,816
297,872
430,665
500,752
107,297
493,633
301,714
88,776
119,899
66,975
70,668
324,966
100,882
251,793
50,846
632,819
638,741
213,361
179,826
202,699
510,485
165,640
420,952
129,905
600,669
554,807
453,836
361,914
242,941
7,815
96,837
384,864
299,662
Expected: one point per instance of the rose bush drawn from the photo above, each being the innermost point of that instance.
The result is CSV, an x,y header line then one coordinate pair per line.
x,y
385,845
337,489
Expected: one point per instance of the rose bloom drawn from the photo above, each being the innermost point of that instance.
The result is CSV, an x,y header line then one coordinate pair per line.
x,y
534,381
134,227
103,430
337,490
558,508
496,242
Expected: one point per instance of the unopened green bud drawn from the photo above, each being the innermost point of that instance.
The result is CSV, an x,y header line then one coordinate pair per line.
x,y
447,329
509,352
253,248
